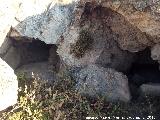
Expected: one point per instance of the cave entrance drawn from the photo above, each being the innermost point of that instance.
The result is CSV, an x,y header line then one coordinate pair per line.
x,y
32,57
32,52
25,51
144,69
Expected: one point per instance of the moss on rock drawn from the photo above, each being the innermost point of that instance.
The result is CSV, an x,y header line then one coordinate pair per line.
x,y
83,43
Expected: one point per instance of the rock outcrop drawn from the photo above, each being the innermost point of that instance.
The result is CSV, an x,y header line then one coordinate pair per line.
x,y
103,41
143,15
8,86
49,24
94,81
105,33
30,19
150,89
135,22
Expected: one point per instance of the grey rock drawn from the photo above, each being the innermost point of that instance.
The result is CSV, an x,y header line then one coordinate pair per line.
x,y
114,57
94,81
31,18
150,89
54,59
47,26
8,86
104,50
12,57
38,71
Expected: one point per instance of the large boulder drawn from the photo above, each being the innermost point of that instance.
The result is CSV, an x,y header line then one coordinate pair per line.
x,y
22,19
142,14
94,81
48,21
45,20
135,22
93,41
8,86
136,27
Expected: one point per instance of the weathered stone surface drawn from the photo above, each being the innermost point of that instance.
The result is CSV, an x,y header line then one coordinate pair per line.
x,y
150,89
46,20
155,52
49,24
38,71
135,27
8,86
34,7
135,22
54,59
140,14
143,14
115,27
94,81
12,57
104,50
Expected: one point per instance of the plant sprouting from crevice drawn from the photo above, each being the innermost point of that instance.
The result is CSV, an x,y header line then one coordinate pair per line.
x,y
83,43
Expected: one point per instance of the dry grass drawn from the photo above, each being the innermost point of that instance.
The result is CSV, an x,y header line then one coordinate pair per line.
x,y
39,100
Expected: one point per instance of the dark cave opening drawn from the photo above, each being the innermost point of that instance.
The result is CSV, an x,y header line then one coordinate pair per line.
x,y
143,70
26,51
31,52
33,58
